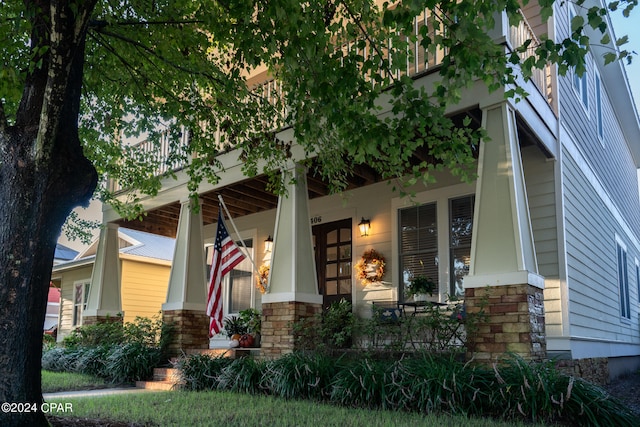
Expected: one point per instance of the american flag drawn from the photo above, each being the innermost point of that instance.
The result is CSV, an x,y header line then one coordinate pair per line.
x,y
226,255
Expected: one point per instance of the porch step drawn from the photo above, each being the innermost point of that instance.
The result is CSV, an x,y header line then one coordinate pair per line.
x,y
233,353
163,379
169,378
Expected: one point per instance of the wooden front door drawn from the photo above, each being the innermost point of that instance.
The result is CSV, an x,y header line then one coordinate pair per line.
x,y
333,260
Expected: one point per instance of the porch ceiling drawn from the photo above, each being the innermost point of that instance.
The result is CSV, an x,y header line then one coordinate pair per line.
x,y
251,196
243,198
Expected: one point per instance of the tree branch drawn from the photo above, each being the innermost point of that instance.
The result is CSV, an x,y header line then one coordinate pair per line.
x,y
161,58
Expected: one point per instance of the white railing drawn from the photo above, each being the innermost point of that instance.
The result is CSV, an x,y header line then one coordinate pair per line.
x,y
518,35
419,60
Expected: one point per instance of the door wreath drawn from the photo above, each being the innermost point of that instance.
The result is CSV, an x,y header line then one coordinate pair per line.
x,y
370,268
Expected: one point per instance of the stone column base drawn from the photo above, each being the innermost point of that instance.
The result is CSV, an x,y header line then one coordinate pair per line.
x,y
189,331
514,322
277,326
94,320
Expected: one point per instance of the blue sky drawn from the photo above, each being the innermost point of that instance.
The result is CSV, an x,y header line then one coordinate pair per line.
x,y
631,27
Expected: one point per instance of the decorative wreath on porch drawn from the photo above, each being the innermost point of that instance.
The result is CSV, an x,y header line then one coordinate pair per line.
x,y
262,278
370,268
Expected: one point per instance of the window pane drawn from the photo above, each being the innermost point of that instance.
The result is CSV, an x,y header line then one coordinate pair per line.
x,y
331,270
345,269
332,253
418,229
332,237
418,243
461,216
332,287
345,234
345,252
460,262
345,286
241,281
460,233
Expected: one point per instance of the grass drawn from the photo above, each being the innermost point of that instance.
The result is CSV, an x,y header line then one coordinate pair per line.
x,y
53,382
184,409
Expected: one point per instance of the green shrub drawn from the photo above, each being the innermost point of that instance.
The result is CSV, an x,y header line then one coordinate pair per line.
x,y
426,383
332,329
131,362
117,352
200,371
300,375
539,392
51,359
241,375
362,383
105,333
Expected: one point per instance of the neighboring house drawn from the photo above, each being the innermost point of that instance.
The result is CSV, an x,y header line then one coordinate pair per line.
x,y
143,270
62,254
551,227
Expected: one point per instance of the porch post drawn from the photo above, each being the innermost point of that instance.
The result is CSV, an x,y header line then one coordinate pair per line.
x,y
293,292
503,270
103,302
186,298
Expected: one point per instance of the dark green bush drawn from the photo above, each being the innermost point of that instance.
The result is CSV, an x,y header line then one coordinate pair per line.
x,y
200,371
242,375
300,375
427,383
132,362
117,352
51,359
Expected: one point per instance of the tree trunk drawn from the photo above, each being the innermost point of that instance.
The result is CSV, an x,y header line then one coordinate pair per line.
x,y
43,176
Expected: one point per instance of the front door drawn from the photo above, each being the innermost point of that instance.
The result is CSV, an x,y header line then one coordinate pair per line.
x,y
333,260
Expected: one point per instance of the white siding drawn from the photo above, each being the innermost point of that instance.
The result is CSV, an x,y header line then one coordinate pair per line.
x,y
540,181
591,229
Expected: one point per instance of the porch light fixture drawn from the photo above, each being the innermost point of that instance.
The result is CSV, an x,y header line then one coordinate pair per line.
x,y
268,244
364,226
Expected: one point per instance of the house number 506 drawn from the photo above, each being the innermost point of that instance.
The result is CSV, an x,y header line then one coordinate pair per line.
x,y
316,219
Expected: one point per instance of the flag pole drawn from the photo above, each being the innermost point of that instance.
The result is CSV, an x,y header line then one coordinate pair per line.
x,y
233,224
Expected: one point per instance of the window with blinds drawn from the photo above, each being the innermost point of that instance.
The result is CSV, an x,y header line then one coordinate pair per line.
x,y
240,285
418,241
460,231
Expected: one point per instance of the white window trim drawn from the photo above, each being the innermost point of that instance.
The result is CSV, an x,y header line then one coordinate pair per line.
x,y
441,197
582,91
637,264
598,108
84,283
623,246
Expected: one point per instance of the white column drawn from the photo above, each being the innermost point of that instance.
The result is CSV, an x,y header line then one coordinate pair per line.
x,y
293,269
187,281
502,247
104,291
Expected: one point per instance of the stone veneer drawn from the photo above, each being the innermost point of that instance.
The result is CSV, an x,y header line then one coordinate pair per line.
x,y
514,323
93,320
190,330
595,370
277,326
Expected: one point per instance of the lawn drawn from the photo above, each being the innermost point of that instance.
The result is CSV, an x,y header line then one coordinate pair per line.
x,y
184,409
53,382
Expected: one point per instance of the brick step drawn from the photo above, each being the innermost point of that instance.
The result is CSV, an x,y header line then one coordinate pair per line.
x,y
169,378
166,374
157,385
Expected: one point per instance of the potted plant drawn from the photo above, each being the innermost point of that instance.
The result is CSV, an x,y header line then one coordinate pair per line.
x,y
420,286
252,319
234,327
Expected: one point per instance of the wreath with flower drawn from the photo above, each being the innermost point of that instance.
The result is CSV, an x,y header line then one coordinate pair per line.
x,y
262,278
370,268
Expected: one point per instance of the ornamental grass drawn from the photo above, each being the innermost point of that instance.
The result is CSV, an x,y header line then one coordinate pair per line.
x,y
512,390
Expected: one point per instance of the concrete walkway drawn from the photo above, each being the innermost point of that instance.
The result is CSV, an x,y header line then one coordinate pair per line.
x,y
94,393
